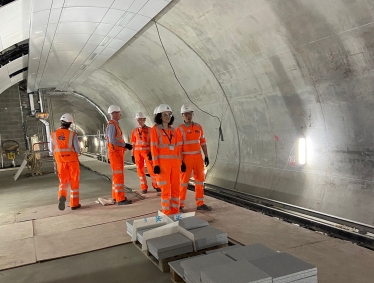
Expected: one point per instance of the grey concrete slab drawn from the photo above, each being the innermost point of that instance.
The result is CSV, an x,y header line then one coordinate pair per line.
x,y
176,265
249,253
193,222
169,242
221,250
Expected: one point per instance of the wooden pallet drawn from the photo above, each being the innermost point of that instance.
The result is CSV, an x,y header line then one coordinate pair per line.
x,y
163,264
175,277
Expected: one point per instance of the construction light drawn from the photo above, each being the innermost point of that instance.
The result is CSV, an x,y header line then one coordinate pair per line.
x,y
84,138
302,151
42,115
96,142
81,143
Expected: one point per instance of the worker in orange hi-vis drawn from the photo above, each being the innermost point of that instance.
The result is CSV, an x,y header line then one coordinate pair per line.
x,y
193,139
141,152
117,148
65,146
165,148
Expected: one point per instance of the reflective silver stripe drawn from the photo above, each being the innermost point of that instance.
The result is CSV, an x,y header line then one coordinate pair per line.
x,y
119,185
162,183
168,156
154,157
143,182
165,200
192,142
183,133
174,199
154,143
117,172
74,196
184,184
65,189
203,143
179,143
149,135
165,207
74,191
201,199
143,177
191,152
119,190
199,183
159,136
143,148
70,144
167,145
174,205
182,201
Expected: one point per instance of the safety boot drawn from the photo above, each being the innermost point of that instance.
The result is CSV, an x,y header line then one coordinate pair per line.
x,y
157,190
144,191
181,209
204,207
61,203
75,207
124,202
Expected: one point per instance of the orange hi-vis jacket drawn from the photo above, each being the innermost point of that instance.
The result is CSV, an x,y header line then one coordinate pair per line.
x,y
118,137
63,146
141,138
192,137
164,145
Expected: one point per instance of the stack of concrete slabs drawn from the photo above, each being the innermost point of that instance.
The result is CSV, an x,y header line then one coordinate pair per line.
x,y
129,225
176,265
285,268
192,222
208,237
193,267
169,246
140,231
249,253
235,272
221,250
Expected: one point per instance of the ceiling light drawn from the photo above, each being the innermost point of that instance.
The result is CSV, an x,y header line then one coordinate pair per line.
x,y
105,41
76,76
39,31
125,19
83,67
35,58
93,56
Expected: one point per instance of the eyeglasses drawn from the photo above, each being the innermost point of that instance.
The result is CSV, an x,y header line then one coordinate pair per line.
x,y
188,113
167,114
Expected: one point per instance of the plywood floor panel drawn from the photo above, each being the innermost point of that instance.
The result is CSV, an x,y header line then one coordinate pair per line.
x,y
17,253
16,231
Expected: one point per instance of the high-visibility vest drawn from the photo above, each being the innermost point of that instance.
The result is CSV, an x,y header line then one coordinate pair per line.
x,y
141,138
118,137
193,138
63,147
164,145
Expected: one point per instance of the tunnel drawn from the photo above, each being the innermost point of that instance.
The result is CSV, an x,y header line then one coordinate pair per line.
x,y
283,89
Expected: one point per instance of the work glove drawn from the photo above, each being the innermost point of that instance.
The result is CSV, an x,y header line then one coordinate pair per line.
x,y
157,170
149,156
183,167
128,146
133,159
206,161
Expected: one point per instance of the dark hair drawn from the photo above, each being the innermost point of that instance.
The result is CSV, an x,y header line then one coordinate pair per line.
x,y
65,125
158,119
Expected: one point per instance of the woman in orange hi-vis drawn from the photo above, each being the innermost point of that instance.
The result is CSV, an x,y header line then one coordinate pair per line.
x,y
193,140
165,148
117,148
65,146
141,152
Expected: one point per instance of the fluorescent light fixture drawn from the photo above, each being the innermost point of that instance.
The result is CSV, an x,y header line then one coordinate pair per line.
x,y
92,56
125,19
302,151
83,67
104,41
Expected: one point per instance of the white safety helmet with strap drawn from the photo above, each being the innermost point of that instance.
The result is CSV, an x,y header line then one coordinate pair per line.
x,y
68,118
163,108
155,111
186,108
113,108
139,115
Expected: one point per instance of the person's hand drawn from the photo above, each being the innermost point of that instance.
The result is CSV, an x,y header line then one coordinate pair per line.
x,y
206,161
183,167
157,170
149,156
133,159
128,146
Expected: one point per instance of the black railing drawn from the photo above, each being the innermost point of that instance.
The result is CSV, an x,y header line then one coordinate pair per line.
x,y
4,2
14,53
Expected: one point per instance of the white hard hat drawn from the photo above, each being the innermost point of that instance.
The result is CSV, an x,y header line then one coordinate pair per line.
x,y
113,108
67,118
139,115
155,111
186,108
163,108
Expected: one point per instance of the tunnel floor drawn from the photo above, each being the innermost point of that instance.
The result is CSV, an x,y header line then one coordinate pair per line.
x,y
34,200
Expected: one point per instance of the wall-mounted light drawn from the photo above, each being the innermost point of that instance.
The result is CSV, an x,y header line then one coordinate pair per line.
x,y
84,138
96,142
302,151
81,144
125,19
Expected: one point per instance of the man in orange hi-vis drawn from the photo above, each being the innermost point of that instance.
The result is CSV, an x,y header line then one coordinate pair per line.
x,y
141,152
65,146
117,148
165,148
192,136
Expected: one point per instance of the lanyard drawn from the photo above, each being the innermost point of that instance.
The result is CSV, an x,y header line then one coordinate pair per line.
x,y
141,132
171,136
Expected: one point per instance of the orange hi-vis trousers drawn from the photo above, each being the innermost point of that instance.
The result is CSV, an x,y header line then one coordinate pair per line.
x,y
68,172
169,181
118,182
140,157
193,163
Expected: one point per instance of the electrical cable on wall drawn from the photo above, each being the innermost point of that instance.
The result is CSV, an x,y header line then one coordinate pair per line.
x,y
220,137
